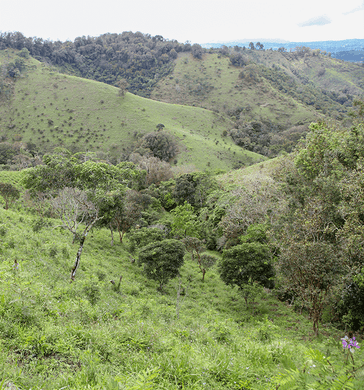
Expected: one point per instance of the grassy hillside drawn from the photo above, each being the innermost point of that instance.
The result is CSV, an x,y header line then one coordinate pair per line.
x,y
51,109
286,89
240,177
91,335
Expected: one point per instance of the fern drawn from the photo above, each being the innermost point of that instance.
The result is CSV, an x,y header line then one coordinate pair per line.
x,y
144,381
317,374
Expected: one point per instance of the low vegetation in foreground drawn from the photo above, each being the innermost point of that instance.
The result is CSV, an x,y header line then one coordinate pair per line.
x,y
93,334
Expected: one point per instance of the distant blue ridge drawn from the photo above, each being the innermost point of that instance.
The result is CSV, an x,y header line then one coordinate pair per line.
x,y
329,46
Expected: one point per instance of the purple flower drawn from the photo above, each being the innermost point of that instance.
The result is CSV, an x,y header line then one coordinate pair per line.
x,y
349,344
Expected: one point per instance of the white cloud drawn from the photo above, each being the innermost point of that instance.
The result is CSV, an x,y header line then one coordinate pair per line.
x,y
357,9
316,21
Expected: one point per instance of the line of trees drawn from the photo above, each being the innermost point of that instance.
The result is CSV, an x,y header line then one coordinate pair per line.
x,y
140,59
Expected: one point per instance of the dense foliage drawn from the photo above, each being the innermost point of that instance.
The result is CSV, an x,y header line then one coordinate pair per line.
x,y
138,58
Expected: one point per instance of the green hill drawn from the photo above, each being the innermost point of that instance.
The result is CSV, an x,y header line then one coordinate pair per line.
x,y
278,93
50,109
285,89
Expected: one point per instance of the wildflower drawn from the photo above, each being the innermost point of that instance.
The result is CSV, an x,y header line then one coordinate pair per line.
x,y
349,344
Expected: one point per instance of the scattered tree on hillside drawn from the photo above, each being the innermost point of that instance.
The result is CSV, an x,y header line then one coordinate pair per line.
x,y
197,51
123,86
237,59
247,264
196,247
162,260
9,193
311,270
73,208
259,46
161,144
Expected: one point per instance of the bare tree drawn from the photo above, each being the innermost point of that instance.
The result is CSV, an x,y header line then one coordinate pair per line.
x,y
74,209
157,170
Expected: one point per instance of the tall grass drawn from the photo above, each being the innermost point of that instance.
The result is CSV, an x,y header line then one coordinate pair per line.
x,y
88,335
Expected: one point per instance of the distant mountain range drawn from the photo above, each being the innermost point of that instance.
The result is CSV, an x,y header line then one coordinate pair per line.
x,y
338,49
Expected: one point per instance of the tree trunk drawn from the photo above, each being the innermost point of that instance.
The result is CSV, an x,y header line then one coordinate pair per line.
x,y
83,238
121,234
112,235
203,274
78,256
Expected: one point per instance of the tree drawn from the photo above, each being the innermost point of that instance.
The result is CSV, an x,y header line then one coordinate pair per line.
x,y
123,86
73,207
251,45
162,260
138,238
185,222
197,51
259,46
245,264
89,192
7,152
156,170
9,193
161,144
196,247
194,188
237,59
261,199
129,212
311,270
321,233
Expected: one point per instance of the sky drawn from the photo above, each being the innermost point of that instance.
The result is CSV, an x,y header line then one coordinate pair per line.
x,y
197,21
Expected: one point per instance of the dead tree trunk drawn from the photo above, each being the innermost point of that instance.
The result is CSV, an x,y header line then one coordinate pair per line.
x,y
112,235
79,252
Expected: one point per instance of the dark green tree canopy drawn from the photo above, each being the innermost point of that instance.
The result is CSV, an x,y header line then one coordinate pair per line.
x,y
10,193
138,238
161,144
247,263
162,260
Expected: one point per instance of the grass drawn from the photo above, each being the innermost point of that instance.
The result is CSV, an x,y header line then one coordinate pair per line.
x,y
88,335
48,109
240,177
215,84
